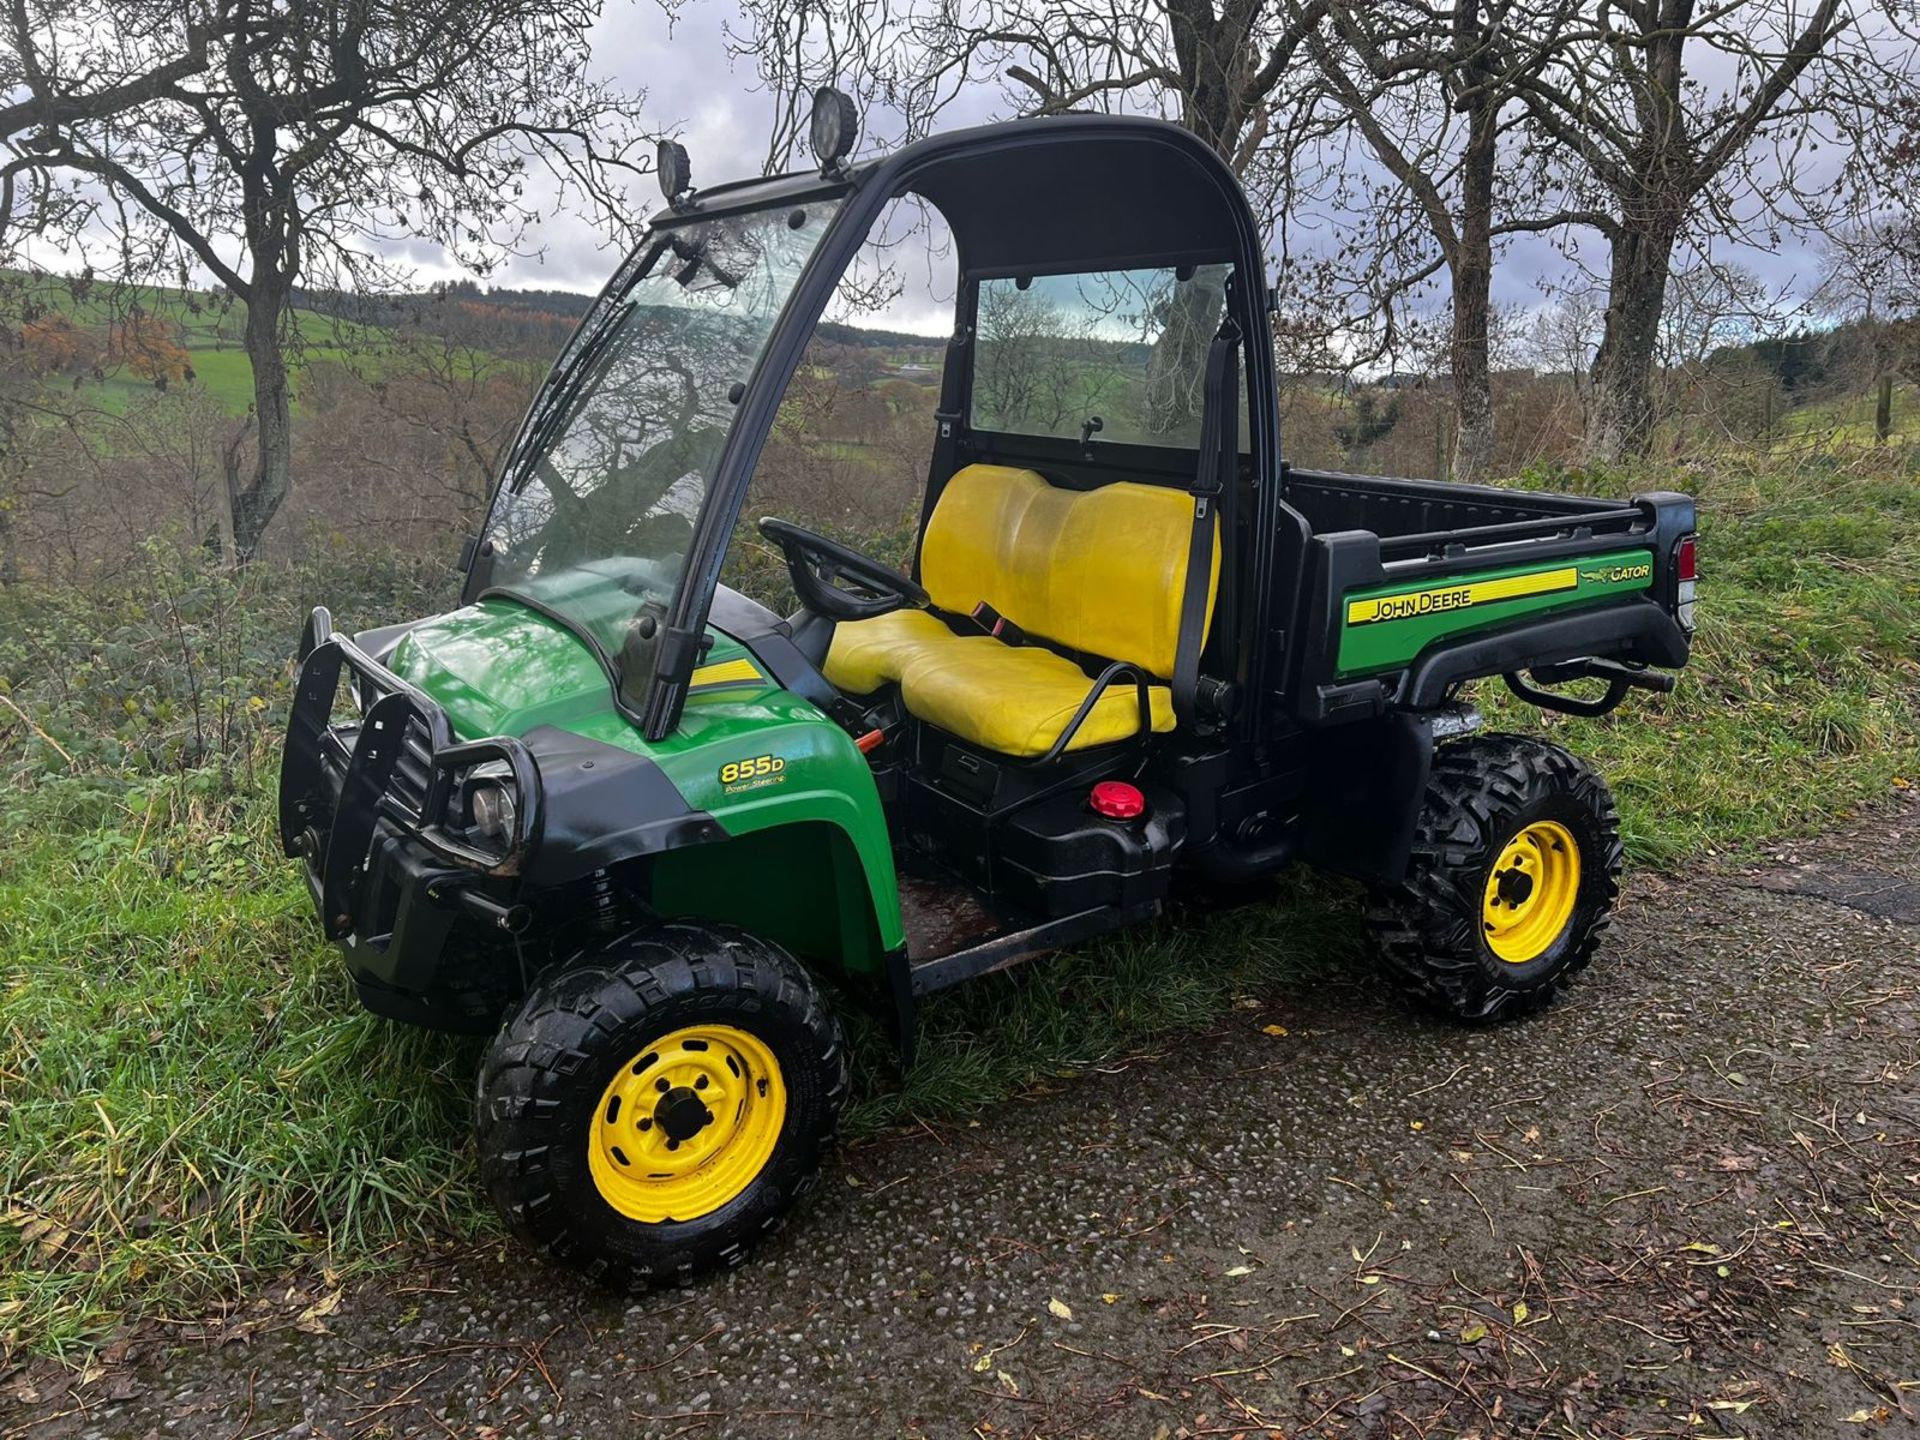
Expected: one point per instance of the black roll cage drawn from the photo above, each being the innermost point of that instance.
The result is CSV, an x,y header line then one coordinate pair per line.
x,y
654,701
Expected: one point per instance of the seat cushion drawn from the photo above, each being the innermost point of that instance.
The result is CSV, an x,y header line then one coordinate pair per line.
x,y
1014,700
867,654
1100,571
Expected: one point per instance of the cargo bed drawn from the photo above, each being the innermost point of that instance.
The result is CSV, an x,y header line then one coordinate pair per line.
x,y
1415,586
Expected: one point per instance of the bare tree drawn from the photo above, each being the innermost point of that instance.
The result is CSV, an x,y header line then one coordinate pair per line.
x,y
1430,91
120,73
1671,116
1219,69
274,145
1873,278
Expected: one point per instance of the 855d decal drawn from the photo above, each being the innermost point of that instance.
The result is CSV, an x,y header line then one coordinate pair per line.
x,y
752,773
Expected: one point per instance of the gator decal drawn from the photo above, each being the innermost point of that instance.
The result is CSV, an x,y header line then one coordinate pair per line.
x,y
1388,625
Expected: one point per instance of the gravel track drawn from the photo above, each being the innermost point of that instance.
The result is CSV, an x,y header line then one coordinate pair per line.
x,y
1684,1202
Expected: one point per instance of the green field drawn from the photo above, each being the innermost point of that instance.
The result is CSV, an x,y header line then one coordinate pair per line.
x,y
1849,420
209,328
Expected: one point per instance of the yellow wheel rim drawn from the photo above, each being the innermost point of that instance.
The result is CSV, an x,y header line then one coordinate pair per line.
x,y
1531,892
686,1124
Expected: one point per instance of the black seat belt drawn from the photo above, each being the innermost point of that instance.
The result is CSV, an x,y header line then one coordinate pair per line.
x,y
1219,445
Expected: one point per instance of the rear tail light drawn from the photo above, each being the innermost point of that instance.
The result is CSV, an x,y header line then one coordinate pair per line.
x,y
1684,567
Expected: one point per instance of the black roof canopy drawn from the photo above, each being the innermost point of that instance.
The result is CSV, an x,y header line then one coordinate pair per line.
x,y
1078,193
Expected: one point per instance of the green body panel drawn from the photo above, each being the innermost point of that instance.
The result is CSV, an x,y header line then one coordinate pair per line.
x,y
1378,636
498,668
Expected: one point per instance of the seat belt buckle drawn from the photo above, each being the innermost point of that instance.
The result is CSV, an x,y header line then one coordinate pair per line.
x,y
997,625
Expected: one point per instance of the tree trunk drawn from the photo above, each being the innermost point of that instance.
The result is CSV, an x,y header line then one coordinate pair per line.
x,y
254,507
1472,374
1471,263
1883,408
1620,424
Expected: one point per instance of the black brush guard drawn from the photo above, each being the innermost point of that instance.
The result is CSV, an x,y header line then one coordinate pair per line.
x,y
348,791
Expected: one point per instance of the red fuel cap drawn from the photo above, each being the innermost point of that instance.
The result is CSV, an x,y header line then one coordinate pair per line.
x,y
1116,800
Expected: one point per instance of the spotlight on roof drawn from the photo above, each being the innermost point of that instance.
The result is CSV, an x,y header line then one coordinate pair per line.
x,y
833,129
676,172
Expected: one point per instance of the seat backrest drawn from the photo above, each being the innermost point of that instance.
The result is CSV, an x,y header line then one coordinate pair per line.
x,y
1102,571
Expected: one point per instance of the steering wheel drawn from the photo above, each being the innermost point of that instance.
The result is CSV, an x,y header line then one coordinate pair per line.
x,y
865,587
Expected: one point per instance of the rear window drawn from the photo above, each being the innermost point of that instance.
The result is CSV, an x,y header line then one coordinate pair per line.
x,y
1052,352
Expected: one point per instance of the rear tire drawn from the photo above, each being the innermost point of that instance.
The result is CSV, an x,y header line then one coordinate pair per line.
x,y
699,1040
1511,881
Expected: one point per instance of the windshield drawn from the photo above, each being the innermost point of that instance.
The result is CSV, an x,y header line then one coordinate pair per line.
x,y
597,512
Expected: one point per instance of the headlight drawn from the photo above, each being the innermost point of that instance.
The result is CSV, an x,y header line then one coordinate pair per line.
x,y
490,803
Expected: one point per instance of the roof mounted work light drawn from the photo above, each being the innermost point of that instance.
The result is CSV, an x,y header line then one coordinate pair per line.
x,y
833,129
676,172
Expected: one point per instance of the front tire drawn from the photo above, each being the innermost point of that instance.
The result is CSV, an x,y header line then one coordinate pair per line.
x,y
657,1107
1511,882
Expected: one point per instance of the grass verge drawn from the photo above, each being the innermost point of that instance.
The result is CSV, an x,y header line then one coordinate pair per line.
x,y
189,1095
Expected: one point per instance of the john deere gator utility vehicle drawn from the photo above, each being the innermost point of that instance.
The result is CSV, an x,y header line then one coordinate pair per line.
x,y
1112,650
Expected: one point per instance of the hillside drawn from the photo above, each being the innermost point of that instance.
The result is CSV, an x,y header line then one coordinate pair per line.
x,y
117,342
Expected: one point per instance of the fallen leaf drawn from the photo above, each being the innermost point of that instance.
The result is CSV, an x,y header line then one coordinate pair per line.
x,y
1009,1384
1519,1312
1058,1309
311,1317
1273,1029
1111,1298
1472,1333
983,1364
1240,1270
1739,1407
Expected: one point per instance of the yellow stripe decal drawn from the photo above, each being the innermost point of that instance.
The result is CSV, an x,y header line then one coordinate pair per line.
x,y
727,672
1460,597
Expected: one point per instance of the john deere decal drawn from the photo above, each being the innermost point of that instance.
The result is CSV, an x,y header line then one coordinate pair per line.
x,y
1459,597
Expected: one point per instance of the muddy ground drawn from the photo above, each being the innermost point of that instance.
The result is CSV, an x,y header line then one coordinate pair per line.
x,y
1684,1202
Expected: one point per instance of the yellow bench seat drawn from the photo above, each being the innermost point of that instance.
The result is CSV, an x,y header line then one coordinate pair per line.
x,y
1098,572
